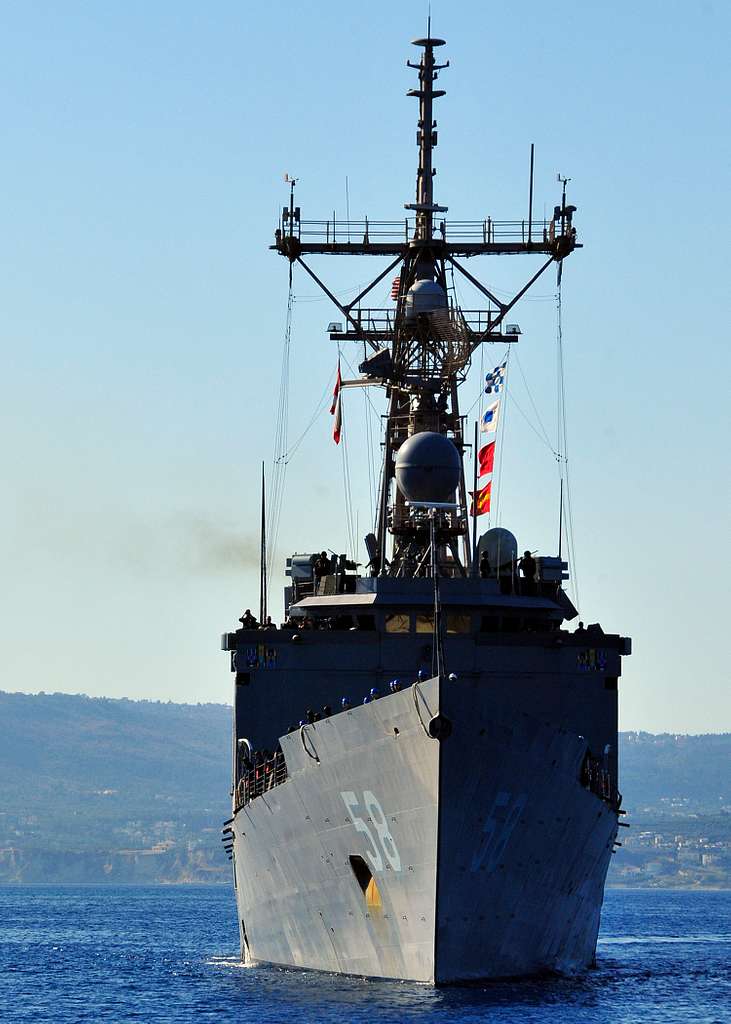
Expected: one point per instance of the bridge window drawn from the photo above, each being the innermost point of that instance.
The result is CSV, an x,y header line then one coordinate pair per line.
x,y
398,622
459,622
425,622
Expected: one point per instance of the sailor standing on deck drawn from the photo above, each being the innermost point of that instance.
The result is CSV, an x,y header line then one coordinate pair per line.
x,y
527,566
321,566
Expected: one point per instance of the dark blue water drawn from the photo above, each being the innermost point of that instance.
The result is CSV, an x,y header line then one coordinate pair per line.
x,y
87,953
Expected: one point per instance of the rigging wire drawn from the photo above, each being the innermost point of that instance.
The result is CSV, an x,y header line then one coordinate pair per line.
x,y
369,408
369,453
532,402
342,293
479,419
501,445
562,442
481,393
377,504
541,438
349,524
347,489
279,461
319,409
365,389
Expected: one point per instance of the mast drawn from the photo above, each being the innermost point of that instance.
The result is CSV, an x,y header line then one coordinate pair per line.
x,y
263,555
421,352
426,137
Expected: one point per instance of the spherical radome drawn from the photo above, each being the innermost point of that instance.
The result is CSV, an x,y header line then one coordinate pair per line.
x,y
501,547
424,297
428,467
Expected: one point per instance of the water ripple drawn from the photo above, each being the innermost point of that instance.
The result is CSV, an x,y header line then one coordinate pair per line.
x,y
158,955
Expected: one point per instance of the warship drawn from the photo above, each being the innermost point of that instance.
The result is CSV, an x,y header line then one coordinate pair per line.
x,y
424,754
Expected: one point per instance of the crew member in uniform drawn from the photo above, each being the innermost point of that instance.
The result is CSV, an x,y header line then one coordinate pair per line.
x,y
320,568
527,566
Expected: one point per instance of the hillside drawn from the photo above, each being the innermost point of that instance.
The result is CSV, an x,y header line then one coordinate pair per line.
x,y
94,789
97,788
660,771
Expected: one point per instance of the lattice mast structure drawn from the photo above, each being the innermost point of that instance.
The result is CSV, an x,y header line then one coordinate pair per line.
x,y
421,351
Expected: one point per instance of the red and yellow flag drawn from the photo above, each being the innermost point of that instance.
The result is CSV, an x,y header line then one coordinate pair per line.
x,y
486,459
481,500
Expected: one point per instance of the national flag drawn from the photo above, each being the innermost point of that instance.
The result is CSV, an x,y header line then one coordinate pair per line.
x,y
335,409
336,391
338,424
495,380
396,287
489,417
486,458
481,500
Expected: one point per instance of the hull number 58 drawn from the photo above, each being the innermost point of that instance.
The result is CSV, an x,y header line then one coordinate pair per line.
x,y
385,846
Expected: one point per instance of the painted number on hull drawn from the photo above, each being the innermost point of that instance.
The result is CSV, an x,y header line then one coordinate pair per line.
x,y
496,831
385,843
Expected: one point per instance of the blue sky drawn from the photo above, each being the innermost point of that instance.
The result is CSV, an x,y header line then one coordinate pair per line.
x,y
143,315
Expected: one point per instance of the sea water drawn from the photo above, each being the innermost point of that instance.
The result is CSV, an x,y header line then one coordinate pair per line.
x,y
116,954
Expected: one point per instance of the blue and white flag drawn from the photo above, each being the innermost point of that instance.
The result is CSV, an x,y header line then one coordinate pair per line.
x,y
495,380
489,417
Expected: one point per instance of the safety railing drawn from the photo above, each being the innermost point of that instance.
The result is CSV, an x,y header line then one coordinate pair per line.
x,y
364,231
598,780
383,320
260,778
357,230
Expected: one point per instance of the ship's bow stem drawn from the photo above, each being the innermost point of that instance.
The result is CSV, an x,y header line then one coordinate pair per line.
x,y
523,846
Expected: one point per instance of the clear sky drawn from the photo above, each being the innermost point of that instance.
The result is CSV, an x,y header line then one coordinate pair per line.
x,y
142,315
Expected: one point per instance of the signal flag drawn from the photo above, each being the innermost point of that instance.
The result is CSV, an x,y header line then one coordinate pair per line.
x,y
486,459
489,417
481,500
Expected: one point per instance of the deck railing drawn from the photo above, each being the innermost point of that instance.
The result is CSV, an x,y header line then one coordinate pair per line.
x,y
260,778
598,780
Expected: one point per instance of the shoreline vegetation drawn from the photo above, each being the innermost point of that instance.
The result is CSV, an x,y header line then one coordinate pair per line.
x,y
105,791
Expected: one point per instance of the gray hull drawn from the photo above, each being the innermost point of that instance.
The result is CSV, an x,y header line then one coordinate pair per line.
x,y
487,855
